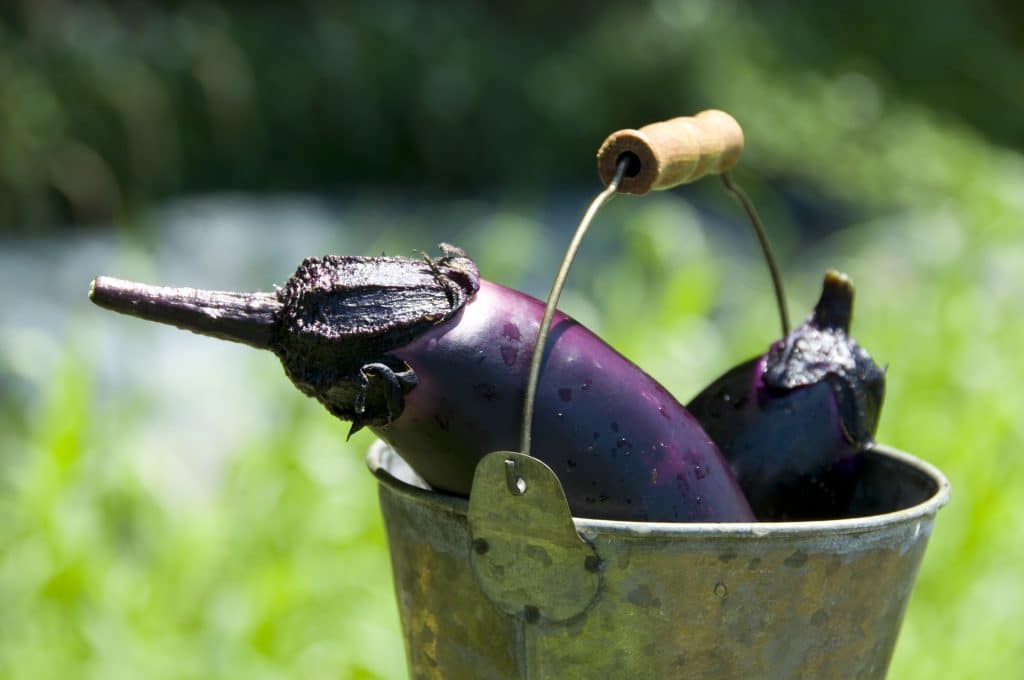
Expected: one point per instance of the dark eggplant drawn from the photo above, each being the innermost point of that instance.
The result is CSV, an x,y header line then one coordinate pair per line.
x,y
435,360
791,422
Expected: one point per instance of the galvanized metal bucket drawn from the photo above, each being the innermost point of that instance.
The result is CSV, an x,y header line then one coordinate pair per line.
x,y
508,584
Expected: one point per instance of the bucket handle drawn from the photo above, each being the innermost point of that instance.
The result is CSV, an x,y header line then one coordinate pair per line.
x,y
526,554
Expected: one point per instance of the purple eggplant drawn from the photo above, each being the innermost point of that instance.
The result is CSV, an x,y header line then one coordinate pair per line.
x,y
434,360
791,422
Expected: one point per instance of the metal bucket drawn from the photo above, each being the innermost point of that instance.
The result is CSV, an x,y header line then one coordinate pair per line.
x,y
509,585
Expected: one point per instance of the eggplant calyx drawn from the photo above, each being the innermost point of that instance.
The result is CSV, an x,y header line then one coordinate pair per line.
x,y
341,316
820,349
332,324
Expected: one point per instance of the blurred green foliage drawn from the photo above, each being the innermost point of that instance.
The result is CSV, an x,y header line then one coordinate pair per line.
x,y
882,147
107,105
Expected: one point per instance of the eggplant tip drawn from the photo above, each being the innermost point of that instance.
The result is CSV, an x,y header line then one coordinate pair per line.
x,y
103,291
99,286
837,279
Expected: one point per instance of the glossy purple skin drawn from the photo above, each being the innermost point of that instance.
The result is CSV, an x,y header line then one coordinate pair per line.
x,y
787,450
621,445
791,422
435,360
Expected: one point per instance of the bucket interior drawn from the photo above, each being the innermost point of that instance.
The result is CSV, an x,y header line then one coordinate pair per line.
x,y
883,481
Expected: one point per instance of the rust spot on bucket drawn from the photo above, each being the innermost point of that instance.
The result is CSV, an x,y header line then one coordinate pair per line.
x,y
642,596
539,554
797,559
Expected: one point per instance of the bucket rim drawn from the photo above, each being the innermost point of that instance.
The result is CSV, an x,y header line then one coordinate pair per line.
x,y
380,455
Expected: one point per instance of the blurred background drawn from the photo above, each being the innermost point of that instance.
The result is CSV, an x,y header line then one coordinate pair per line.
x,y
170,507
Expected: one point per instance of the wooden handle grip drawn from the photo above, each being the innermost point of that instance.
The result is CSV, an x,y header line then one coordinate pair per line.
x,y
672,152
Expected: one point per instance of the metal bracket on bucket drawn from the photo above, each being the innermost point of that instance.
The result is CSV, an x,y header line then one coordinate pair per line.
x,y
527,556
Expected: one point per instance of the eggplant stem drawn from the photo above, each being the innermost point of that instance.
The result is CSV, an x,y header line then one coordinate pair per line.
x,y
762,238
556,292
248,318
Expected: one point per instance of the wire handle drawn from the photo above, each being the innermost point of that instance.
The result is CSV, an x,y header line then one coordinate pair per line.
x,y
556,292
672,152
657,156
